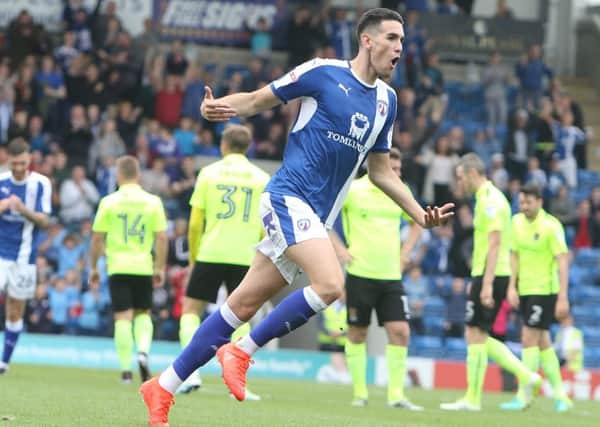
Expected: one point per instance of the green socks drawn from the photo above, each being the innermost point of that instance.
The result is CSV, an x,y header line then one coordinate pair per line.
x,y
551,368
395,356
240,332
124,343
356,359
477,360
531,360
142,331
502,355
188,323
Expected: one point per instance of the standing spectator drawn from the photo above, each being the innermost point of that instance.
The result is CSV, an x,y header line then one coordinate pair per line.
x,y
495,80
567,138
519,145
531,71
128,122
535,175
52,91
23,38
178,244
260,42
440,172
456,302
81,23
168,102
301,41
177,63
78,138
185,137
156,180
498,174
93,305
545,129
417,291
66,52
431,88
38,315
78,197
109,144
339,32
146,43
193,94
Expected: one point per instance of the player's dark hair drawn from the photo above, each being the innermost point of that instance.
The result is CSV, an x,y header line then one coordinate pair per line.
x,y
395,154
238,138
531,190
18,146
128,167
472,161
374,17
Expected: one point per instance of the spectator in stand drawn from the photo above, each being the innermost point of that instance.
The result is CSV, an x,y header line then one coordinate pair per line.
x,y
520,145
78,197
545,129
340,33
24,37
556,179
109,144
462,244
301,41
168,102
178,244
128,122
503,11
406,108
495,80
583,238
483,147
594,198
498,174
18,128
38,139
38,315
535,175
415,46
93,307
207,145
185,137
166,147
431,87
530,71
156,180
66,52
106,176
177,63
563,207
272,147
145,44
417,291
448,7
255,75
59,300
514,188
81,23
568,137
183,186
456,303
26,93
193,94
78,138
440,164
52,91
95,88
75,80
260,42
70,254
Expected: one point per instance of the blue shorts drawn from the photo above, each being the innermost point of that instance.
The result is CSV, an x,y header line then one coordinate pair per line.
x,y
287,220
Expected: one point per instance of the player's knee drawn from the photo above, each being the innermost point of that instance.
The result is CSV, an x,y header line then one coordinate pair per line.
x,y
357,335
330,287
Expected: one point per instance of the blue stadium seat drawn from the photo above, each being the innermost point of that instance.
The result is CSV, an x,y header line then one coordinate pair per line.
x,y
583,314
456,348
428,346
591,335
434,306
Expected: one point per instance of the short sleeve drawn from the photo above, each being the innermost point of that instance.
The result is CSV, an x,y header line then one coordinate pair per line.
x,y
198,199
304,80
558,244
101,224
44,203
494,216
160,219
384,139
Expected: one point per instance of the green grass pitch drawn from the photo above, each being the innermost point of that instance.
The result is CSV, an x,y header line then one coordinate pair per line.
x,y
51,396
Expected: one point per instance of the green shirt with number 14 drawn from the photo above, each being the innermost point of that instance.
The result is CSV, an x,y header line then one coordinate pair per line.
x,y
130,217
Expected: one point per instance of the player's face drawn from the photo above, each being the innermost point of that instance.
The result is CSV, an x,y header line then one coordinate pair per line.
x,y
529,205
19,165
385,48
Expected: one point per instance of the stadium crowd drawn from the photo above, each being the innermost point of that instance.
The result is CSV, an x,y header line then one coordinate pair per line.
x,y
93,93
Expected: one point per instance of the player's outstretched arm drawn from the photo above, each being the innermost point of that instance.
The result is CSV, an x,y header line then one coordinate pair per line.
x,y
382,175
243,104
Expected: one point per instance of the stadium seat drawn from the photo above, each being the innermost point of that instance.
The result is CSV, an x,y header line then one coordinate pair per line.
x,y
591,335
428,346
456,348
435,306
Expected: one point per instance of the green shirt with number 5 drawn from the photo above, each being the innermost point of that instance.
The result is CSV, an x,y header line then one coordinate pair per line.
x,y
228,191
130,217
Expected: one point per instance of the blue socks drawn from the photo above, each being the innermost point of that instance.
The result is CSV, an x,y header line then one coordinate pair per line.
x,y
11,336
213,332
291,313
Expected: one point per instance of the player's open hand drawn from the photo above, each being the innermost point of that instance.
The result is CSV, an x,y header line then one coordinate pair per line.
x,y
215,110
438,216
561,310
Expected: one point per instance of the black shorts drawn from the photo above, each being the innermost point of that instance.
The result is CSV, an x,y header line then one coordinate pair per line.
x,y
387,297
478,315
130,291
538,310
207,277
